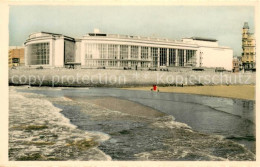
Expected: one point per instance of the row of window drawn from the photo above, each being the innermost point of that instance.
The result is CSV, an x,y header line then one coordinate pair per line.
x,y
114,63
110,51
39,54
251,57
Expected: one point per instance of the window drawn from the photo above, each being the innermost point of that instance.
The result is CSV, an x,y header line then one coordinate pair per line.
x,y
112,63
172,57
123,52
190,58
38,54
154,53
134,52
134,63
163,56
102,49
124,63
112,51
144,64
15,60
144,53
181,57
91,51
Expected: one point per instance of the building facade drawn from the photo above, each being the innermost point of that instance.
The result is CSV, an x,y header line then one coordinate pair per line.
x,y
249,49
49,49
96,50
236,64
16,56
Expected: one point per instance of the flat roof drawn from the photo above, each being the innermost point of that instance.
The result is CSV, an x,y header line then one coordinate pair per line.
x,y
52,34
204,39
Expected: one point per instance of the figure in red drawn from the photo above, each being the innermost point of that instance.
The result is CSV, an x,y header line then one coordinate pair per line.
x,y
154,87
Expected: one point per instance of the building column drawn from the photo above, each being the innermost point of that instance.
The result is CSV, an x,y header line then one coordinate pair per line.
x,y
118,56
52,53
194,58
26,60
176,58
149,53
184,58
129,56
149,57
82,54
167,57
106,61
139,56
158,58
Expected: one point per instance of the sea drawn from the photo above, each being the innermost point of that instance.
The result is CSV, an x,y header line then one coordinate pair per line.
x,y
61,124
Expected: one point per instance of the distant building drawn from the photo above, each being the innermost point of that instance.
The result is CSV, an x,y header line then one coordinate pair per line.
x,y
96,50
239,58
236,64
16,56
249,49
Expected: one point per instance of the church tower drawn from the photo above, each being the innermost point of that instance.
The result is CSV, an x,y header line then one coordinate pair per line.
x,y
248,46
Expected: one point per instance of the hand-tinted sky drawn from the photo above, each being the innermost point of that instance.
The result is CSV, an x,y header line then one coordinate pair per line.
x,y
174,22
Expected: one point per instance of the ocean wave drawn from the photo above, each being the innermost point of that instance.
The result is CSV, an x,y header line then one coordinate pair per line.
x,y
169,122
183,143
38,131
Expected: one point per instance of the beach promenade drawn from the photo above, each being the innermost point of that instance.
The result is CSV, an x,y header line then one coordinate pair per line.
x,y
124,78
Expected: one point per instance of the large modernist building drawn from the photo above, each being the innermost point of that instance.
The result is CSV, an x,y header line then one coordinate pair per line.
x,y
249,49
96,50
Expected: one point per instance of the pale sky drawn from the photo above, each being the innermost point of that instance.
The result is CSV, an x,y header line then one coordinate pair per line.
x,y
173,22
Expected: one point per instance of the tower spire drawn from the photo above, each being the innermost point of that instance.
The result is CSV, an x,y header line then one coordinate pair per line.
x,y
246,25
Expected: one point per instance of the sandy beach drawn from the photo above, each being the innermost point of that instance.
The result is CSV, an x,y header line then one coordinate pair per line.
x,y
246,92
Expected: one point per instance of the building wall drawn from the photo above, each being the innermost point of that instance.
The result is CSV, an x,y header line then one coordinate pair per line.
x,y
78,52
217,57
58,53
16,57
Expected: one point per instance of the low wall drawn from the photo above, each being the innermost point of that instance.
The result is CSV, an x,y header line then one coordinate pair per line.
x,y
124,78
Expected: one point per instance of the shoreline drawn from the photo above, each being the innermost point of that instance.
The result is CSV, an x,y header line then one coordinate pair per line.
x,y
248,91
243,92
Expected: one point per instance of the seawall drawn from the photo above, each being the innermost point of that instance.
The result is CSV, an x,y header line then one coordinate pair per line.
x,y
124,78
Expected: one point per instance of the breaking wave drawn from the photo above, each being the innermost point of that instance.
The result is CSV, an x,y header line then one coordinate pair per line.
x,y
38,131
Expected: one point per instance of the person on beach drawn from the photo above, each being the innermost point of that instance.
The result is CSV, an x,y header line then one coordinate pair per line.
x,y
154,88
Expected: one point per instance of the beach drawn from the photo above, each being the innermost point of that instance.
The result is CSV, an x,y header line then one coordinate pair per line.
x,y
108,128
114,115
126,106
246,92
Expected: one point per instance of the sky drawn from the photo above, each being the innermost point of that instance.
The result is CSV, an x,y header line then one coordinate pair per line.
x,y
223,23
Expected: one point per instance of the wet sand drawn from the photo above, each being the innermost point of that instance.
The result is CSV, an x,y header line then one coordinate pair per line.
x,y
125,106
246,92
